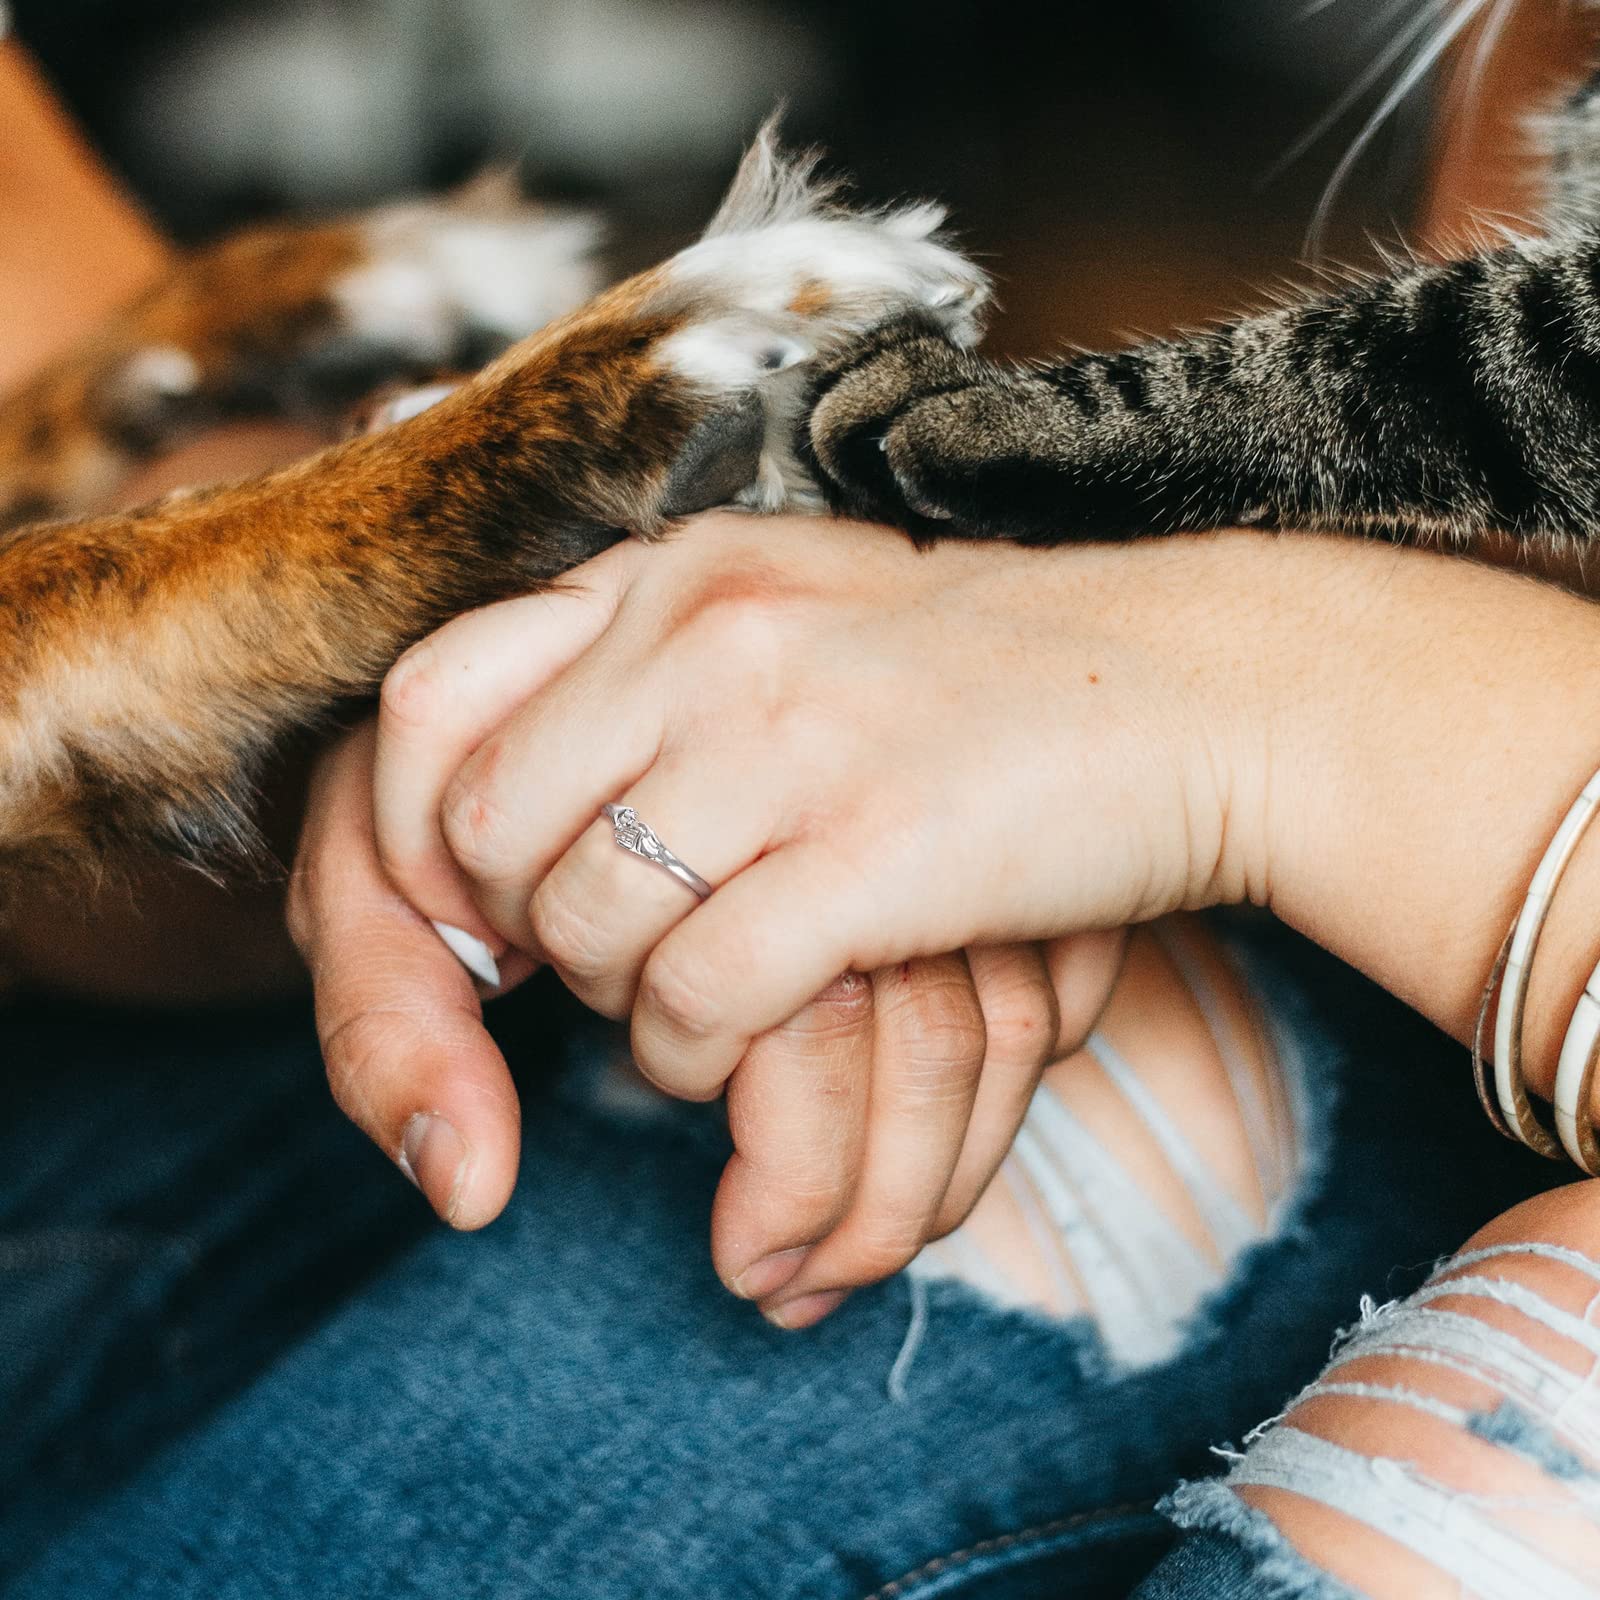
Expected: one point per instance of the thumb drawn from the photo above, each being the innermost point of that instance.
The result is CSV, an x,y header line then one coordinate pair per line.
x,y
408,1058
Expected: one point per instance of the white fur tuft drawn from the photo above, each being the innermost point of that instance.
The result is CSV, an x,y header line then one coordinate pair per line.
x,y
161,371
788,273
436,267
773,186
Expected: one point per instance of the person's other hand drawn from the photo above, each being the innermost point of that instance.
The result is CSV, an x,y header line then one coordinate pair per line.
x,y
879,755
410,1062
399,1018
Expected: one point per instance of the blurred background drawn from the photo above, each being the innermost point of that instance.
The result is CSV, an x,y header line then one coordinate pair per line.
x,y
1121,166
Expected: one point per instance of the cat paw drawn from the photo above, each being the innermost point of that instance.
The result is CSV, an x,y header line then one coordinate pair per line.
x,y
907,428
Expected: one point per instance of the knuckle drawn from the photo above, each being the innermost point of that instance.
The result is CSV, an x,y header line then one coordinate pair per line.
x,y
476,831
567,934
808,732
745,632
357,1050
945,1042
809,1187
738,611
940,1022
409,697
1022,1025
887,1244
841,1010
678,999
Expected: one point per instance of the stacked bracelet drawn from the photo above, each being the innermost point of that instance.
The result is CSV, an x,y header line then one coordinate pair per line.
x,y
1580,1050
1505,1097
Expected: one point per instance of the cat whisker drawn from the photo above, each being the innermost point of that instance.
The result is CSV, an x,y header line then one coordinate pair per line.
x,y
1415,71
1363,83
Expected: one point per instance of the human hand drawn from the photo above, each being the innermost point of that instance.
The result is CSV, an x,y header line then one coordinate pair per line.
x,y
740,652
409,1060
399,1019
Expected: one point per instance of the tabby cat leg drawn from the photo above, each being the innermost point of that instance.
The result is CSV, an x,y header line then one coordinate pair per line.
x,y
1439,401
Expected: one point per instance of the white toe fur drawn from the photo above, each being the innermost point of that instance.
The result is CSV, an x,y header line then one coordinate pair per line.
x,y
786,274
161,371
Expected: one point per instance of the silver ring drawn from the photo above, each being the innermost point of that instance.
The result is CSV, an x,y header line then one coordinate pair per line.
x,y
639,840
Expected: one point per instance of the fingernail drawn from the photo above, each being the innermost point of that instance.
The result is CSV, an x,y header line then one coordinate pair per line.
x,y
433,1156
471,952
770,1273
806,1311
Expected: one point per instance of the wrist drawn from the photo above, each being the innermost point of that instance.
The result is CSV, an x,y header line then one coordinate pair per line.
x,y
1437,721
1215,615
1166,656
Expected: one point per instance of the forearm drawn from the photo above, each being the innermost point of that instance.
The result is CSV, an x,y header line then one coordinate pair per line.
x,y
1426,727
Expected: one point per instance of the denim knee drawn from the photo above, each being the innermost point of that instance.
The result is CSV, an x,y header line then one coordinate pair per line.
x,y
1452,1443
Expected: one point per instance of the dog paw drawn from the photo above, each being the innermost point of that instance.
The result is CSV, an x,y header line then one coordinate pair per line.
x,y
787,277
306,319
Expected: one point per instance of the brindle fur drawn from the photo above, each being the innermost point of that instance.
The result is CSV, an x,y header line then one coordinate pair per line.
x,y
251,326
179,642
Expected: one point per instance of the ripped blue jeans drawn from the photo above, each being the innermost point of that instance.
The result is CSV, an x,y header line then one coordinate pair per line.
x,y
236,1359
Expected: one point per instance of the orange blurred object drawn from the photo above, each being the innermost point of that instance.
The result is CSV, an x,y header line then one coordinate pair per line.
x,y
73,245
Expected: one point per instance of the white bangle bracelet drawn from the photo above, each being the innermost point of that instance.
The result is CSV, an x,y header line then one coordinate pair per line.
x,y
1574,1093
1511,1111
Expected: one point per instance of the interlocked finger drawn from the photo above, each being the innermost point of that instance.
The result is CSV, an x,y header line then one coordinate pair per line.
x,y
797,1110
1021,1022
928,1053
445,697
